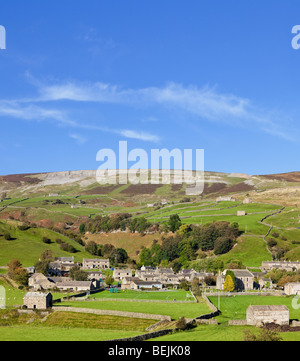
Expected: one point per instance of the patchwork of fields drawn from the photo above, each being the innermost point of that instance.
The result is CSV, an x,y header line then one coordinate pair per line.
x,y
27,245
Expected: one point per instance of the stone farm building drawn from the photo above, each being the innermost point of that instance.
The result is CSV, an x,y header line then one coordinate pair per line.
x,y
38,300
259,315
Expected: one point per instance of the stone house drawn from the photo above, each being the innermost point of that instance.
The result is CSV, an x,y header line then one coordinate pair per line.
x,y
292,288
100,263
244,279
190,274
259,315
75,286
265,283
38,300
40,282
120,273
284,265
126,282
95,275
247,200
139,284
61,265
65,260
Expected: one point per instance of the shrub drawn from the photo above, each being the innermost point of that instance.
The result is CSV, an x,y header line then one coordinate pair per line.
x,y
272,242
67,248
46,240
7,236
181,324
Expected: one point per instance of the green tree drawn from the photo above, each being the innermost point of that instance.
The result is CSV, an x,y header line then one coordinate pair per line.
x,y
42,267
174,222
109,280
77,274
82,228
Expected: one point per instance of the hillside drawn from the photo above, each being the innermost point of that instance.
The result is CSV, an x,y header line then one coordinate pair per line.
x,y
62,201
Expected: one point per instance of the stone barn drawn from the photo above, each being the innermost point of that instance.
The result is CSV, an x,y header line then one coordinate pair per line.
x,y
258,315
38,300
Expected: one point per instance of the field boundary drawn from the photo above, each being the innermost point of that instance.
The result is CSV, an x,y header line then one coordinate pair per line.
x,y
147,316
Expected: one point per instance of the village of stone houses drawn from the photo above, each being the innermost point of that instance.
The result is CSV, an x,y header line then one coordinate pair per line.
x,y
147,262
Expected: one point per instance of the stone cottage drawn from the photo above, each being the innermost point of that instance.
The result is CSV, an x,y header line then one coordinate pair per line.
x,y
98,263
38,300
292,288
120,273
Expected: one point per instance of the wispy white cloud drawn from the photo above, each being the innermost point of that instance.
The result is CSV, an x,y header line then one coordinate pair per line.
x,y
205,103
139,135
79,139
39,114
202,103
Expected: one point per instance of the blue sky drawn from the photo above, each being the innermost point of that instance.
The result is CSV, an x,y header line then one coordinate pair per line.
x,y
78,77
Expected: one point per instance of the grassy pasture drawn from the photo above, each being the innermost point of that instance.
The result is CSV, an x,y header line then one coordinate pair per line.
x,y
144,295
250,250
235,306
175,310
27,246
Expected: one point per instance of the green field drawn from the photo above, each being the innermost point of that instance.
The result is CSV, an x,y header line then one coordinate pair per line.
x,y
144,295
27,246
235,306
219,333
250,250
25,333
175,310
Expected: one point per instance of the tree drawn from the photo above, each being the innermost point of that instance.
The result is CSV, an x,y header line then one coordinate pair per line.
x,y
82,228
231,274
184,285
13,266
109,280
47,255
145,257
77,274
222,245
228,284
92,248
120,255
21,276
195,286
42,267
174,222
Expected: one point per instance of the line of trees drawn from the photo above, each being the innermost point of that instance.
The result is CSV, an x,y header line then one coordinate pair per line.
x,y
183,247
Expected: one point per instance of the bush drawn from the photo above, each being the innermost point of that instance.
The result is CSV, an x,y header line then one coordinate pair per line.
x,y
67,248
181,324
272,242
7,236
46,240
